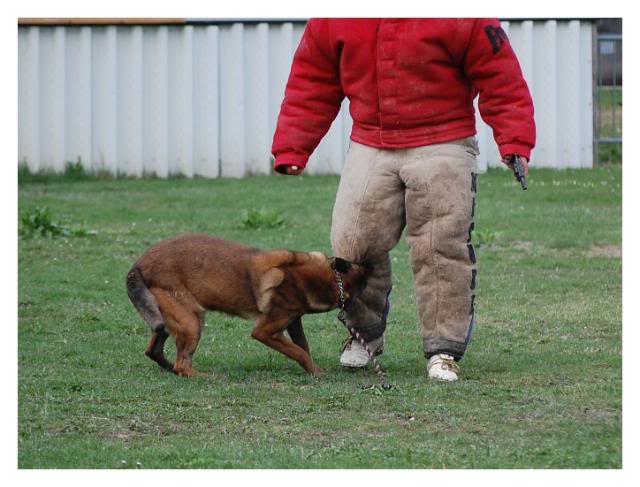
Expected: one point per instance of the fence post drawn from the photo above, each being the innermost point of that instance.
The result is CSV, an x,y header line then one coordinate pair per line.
x,y
594,88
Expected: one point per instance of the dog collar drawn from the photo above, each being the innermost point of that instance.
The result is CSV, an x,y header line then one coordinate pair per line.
x,y
341,294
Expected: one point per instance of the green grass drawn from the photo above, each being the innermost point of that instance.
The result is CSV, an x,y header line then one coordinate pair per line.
x,y
540,385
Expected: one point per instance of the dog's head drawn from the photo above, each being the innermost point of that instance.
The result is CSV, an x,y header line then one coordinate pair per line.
x,y
340,265
355,275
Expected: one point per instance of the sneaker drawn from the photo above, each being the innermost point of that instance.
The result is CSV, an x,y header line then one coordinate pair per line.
x,y
443,367
354,355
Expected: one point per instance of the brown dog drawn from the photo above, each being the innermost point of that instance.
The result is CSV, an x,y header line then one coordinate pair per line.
x,y
175,282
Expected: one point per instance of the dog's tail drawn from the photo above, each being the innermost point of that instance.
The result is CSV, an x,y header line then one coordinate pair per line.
x,y
143,300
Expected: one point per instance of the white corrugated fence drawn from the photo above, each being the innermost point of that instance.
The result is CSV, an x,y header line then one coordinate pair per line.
x,y
203,99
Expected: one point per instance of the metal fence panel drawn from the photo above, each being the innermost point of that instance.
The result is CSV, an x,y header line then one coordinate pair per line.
x,y
204,99
609,94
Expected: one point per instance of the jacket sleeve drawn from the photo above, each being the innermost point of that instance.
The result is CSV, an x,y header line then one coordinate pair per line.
x,y
505,102
312,98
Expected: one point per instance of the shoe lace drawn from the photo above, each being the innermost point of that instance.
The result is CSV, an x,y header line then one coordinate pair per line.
x,y
447,364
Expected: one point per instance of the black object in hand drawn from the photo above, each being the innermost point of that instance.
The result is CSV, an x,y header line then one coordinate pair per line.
x,y
518,170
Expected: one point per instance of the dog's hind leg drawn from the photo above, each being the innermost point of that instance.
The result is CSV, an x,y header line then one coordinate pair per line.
x,y
184,320
296,332
146,304
186,343
155,349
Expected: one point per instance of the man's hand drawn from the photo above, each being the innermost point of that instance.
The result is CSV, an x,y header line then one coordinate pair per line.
x,y
525,163
293,170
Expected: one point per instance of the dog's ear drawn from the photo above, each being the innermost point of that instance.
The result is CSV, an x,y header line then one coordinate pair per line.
x,y
269,281
340,265
318,256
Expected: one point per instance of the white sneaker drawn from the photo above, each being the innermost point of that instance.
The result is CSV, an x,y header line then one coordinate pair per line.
x,y
354,355
443,367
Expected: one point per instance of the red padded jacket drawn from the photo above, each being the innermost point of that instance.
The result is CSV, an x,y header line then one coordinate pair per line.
x,y
410,82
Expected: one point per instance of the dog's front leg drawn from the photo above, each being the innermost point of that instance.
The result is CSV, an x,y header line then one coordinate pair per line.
x,y
296,333
269,332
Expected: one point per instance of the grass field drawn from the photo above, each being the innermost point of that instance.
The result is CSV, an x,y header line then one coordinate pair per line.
x,y
541,382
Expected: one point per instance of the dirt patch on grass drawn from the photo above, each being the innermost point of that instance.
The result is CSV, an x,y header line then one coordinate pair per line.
x,y
523,246
123,435
601,413
605,251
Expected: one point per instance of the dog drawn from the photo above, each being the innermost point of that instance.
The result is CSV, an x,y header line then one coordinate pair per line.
x,y
178,280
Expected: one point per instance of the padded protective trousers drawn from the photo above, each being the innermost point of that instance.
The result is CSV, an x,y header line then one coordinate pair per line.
x,y
431,190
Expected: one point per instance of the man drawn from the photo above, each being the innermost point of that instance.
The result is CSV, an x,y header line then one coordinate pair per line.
x,y
412,159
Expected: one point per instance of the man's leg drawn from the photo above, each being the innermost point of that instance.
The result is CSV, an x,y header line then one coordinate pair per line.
x,y
368,219
440,204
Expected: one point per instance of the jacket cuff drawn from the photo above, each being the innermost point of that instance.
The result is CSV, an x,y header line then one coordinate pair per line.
x,y
289,159
520,149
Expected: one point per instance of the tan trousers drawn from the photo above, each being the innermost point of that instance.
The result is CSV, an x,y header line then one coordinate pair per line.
x,y
431,190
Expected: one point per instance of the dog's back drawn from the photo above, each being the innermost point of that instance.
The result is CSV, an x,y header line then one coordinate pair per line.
x,y
216,272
